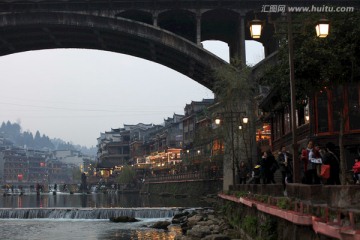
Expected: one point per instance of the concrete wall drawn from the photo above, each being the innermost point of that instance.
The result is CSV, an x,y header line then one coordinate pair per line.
x,y
253,224
341,196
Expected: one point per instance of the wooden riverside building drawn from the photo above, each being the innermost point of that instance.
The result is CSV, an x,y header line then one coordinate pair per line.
x,y
318,119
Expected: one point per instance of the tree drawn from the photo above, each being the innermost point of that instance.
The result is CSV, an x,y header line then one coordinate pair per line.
x,y
37,140
127,175
46,143
28,139
233,91
76,175
319,63
11,131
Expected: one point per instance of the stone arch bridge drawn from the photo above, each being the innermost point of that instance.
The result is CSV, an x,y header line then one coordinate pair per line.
x,y
168,32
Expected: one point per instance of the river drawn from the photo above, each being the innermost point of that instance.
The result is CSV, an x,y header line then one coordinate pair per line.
x,y
78,216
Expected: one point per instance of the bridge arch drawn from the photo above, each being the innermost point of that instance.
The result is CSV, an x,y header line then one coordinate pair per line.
x,y
21,32
180,22
137,15
223,28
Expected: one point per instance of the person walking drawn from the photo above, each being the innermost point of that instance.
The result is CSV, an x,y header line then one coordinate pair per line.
x,y
284,161
356,170
243,173
269,166
305,159
309,156
274,166
256,174
331,159
315,161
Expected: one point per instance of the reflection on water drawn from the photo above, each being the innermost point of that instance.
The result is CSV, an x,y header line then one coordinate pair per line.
x,y
89,230
95,201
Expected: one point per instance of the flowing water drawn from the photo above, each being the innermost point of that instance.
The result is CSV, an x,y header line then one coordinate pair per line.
x,y
65,216
58,229
94,201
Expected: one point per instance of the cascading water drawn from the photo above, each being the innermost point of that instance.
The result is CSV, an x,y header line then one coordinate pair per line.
x,y
87,213
79,216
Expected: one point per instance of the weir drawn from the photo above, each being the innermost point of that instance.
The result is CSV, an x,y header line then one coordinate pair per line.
x,y
86,213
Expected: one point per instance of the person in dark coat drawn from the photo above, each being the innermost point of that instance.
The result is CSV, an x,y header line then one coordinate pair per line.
x,y
331,159
243,173
263,168
269,166
284,161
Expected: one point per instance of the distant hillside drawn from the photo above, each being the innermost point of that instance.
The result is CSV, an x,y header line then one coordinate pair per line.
x,y
13,132
60,144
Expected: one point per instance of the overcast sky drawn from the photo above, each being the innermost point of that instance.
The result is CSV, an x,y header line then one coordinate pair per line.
x,y
76,94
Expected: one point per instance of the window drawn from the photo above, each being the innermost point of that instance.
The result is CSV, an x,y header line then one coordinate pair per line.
x,y
277,125
322,112
287,125
337,104
307,114
354,106
300,120
302,114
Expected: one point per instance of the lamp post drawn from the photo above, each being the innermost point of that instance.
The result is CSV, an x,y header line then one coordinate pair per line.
x,y
322,30
296,163
233,117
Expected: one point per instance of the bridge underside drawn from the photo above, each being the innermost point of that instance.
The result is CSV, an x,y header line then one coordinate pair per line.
x,y
36,31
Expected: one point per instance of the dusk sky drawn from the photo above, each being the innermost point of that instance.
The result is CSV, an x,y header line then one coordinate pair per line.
x,y
75,94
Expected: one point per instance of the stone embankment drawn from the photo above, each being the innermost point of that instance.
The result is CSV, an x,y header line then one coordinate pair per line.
x,y
202,224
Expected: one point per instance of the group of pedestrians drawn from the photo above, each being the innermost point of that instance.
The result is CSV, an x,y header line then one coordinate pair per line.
x,y
313,159
263,172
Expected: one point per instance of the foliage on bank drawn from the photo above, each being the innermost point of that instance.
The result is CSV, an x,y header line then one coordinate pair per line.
x,y
127,175
268,217
248,223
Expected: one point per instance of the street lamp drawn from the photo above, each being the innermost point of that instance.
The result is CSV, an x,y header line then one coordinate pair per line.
x,y
256,27
322,28
245,120
233,117
217,120
322,31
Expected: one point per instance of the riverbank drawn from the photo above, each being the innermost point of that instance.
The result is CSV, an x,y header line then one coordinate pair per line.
x,y
243,215
205,223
